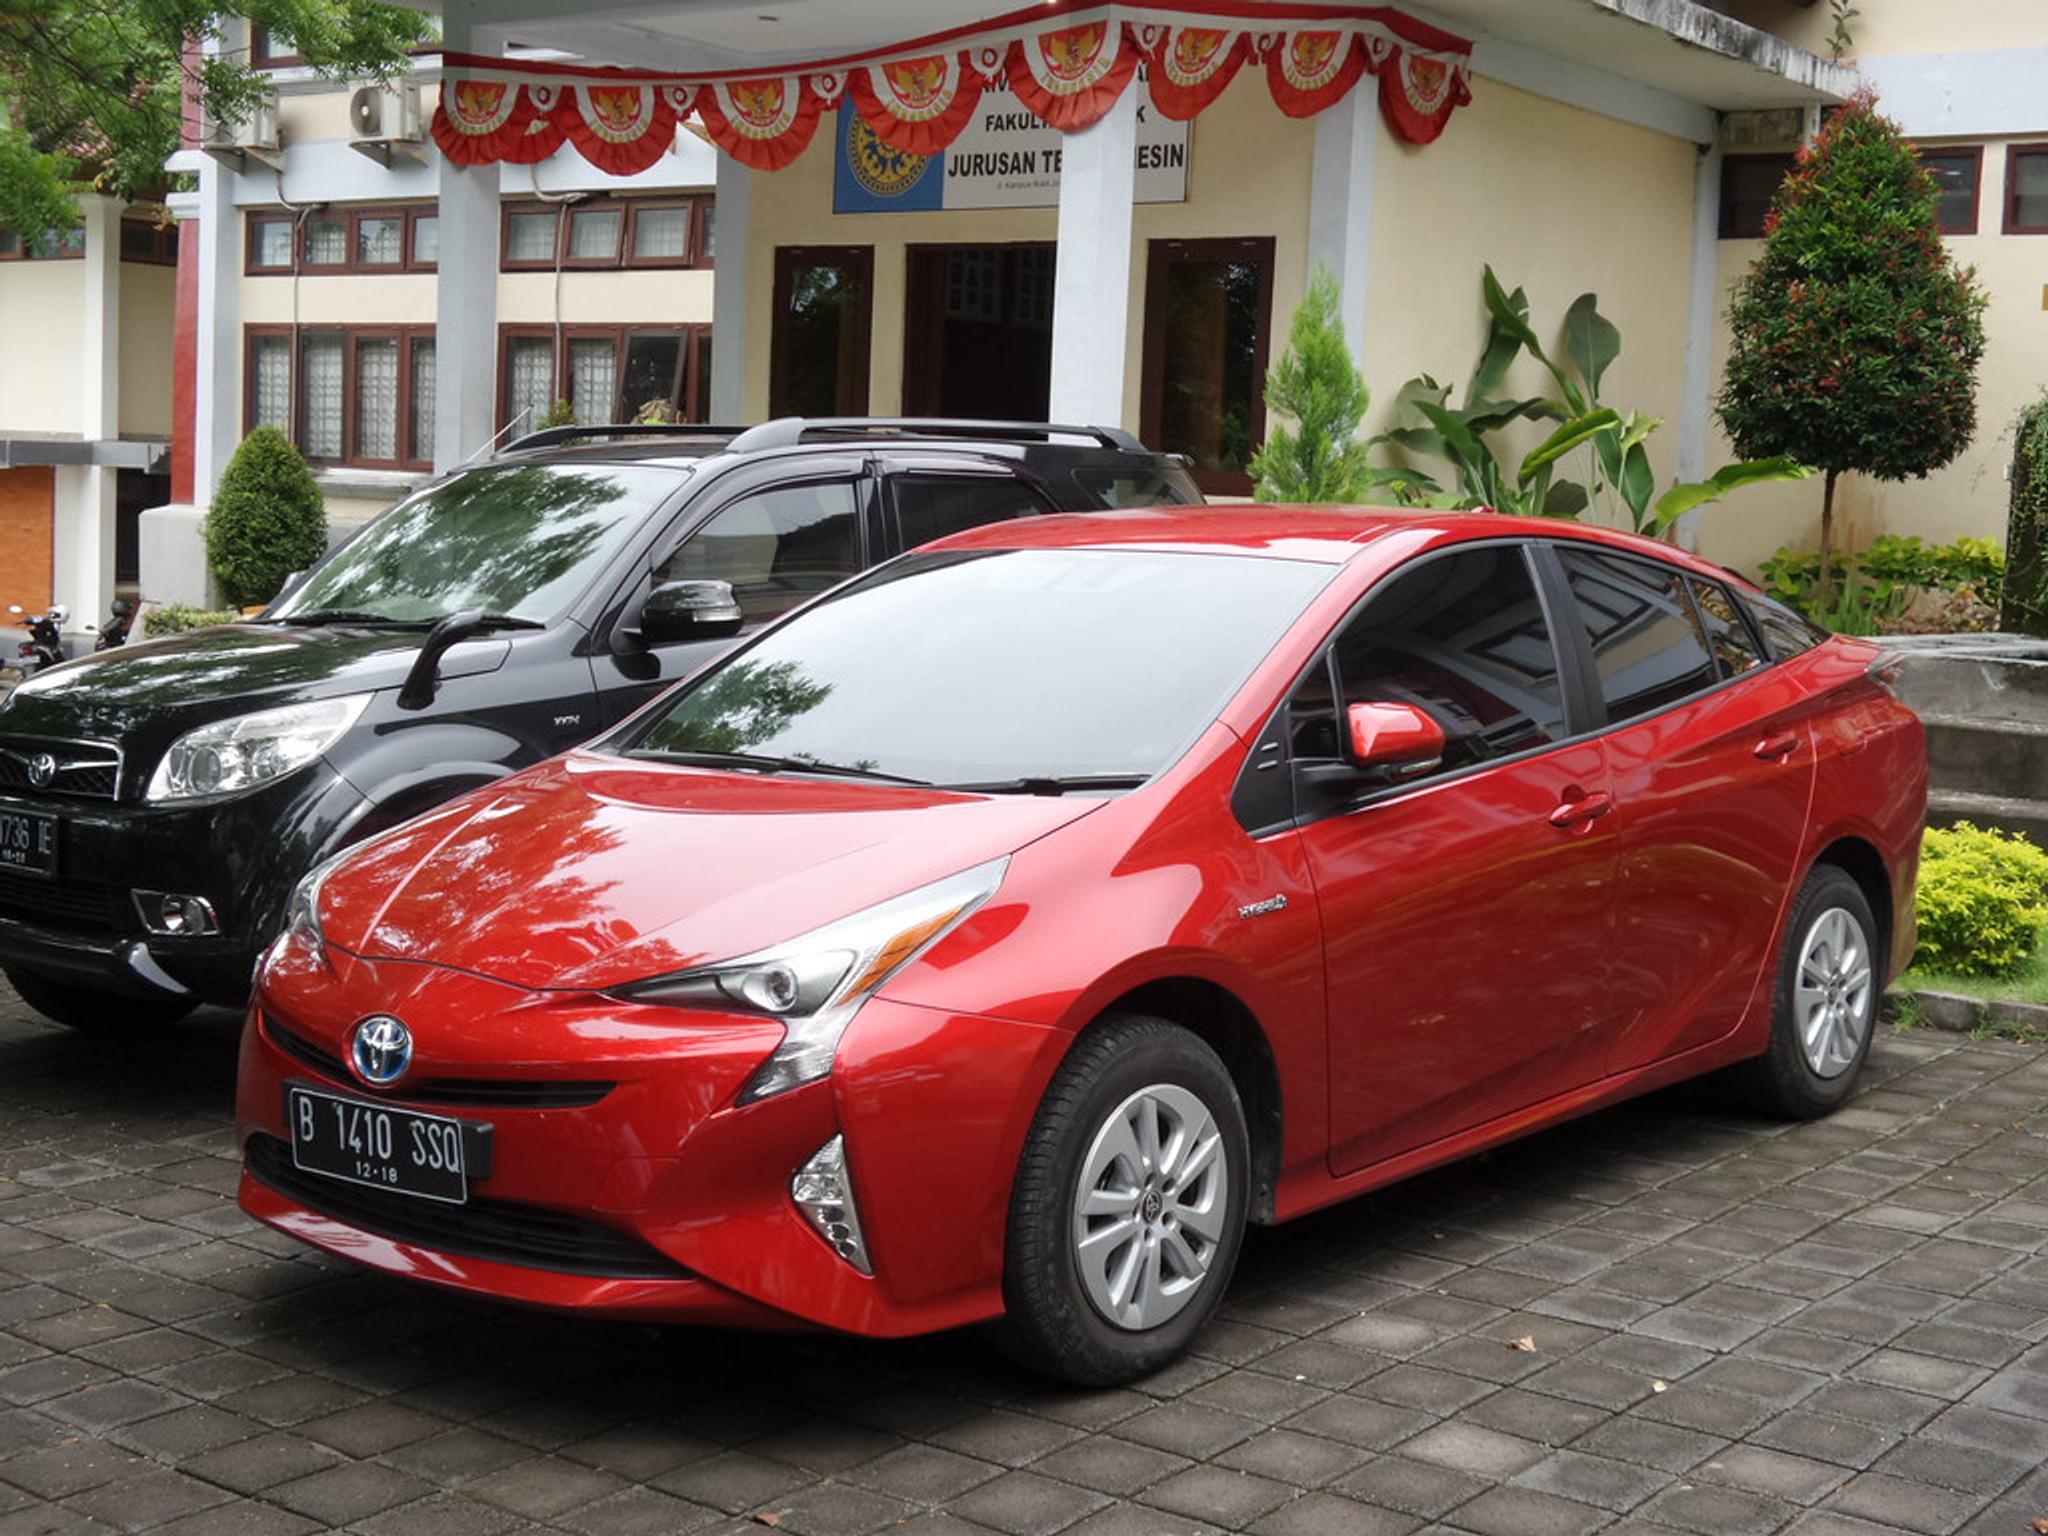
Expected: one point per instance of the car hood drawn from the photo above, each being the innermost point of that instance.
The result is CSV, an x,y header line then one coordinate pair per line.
x,y
591,871
142,695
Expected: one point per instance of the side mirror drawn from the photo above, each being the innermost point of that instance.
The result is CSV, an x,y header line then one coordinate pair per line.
x,y
1392,737
689,610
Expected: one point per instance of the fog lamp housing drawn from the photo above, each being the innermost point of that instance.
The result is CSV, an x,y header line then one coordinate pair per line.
x,y
173,915
823,1191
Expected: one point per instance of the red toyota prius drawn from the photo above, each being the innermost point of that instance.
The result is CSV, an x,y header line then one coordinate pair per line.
x,y
998,935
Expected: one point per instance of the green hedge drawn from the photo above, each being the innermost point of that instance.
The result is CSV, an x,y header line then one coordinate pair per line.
x,y
1982,898
267,520
176,618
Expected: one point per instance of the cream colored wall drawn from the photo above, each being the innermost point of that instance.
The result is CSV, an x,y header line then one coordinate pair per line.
x,y
1248,175
673,297
369,298
149,323
42,320
1968,497
1904,26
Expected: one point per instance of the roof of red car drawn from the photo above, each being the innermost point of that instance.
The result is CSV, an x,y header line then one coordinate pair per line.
x,y
1329,535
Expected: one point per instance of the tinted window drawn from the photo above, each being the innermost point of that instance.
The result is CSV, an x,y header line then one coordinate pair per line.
x,y
778,548
1646,639
1462,636
1728,633
931,506
1786,631
990,665
1139,487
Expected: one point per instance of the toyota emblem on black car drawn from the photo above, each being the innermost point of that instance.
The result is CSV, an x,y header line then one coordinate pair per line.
x,y
42,768
381,1049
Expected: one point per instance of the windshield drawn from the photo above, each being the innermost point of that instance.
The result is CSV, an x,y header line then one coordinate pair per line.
x,y
521,540
988,667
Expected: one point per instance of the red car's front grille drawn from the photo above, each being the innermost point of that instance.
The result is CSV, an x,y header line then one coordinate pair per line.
x,y
450,1092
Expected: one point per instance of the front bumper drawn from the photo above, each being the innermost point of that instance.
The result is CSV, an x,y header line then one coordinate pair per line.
x,y
662,1162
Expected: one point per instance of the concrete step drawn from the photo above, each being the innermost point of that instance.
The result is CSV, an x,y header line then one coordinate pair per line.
x,y
1997,679
1983,757
1946,807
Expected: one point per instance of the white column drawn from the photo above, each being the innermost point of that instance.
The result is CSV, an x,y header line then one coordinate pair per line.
x,y
1091,295
729,350
465,282
83,553
1341,176
217,428
1702,309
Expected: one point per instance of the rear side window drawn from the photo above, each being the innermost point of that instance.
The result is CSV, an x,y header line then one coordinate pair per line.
x,y
1735,647
1786,631
1139,487
1648,643
931,506
1463,637
778,547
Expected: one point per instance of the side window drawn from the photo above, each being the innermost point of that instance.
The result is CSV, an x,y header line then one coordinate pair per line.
x,y
1735,648
931,506
1785,631
777,547
1647,641
1463,637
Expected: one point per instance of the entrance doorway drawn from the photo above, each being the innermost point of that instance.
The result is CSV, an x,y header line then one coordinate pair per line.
x,y
977,331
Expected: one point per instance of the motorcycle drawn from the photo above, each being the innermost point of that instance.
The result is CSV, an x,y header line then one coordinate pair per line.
x,y
44,646
116,630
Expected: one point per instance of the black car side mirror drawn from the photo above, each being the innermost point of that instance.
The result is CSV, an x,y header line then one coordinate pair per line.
x,y
689,610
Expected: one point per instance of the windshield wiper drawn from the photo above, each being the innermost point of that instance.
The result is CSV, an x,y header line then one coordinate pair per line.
x,y
768,764
1051,784
315,617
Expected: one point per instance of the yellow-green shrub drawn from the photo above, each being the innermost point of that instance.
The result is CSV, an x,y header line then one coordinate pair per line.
x,y
1982,898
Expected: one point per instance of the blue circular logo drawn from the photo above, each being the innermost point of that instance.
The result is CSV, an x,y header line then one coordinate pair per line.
x,y
380,1049
879,170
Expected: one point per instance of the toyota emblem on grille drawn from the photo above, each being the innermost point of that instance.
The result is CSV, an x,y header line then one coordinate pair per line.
x,y
42,768
380,1049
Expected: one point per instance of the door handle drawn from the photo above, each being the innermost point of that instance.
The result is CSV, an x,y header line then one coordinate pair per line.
x,y
1587,808
1775,749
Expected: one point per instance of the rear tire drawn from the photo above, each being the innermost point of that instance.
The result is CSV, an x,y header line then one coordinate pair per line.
x,y
1142,1126
93,1008
1824,1004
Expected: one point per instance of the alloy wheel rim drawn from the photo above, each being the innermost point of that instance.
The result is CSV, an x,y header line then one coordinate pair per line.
x,y
1832,994
1150,1206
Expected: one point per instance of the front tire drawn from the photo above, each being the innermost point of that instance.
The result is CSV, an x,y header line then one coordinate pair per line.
x,y
1825,1004
1129,1207
94,1008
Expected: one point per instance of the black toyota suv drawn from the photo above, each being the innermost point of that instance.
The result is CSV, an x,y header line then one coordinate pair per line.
x,y
159,803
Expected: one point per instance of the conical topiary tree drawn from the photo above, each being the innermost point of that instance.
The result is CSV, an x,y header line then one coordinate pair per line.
x,y
267,520
1856,338
1317,384
2026,527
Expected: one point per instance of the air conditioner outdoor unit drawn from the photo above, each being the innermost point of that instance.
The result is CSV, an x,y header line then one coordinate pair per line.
x,y
384,119
255,136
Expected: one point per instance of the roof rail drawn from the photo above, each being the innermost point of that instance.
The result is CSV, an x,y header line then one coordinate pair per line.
x,y
788,431
547,437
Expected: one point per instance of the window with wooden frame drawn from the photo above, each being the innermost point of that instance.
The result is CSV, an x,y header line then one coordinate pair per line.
x,y
606,233
51,245
1749,183
349,396
608,373
268,53
1958,172
1208,325
336,241
148,242
2026,189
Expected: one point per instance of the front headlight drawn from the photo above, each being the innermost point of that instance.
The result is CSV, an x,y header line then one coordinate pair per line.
x,y
232,755
817,981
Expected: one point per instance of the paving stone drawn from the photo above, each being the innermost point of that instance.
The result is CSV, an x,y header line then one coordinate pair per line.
x,y
1471,1448
1777,1473
1027,1504
1614,1485
1122,1467
1321,1514
1717,1511
1528,1512
1908,1505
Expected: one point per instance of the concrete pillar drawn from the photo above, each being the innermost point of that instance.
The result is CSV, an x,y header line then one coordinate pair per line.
x,y
466,282
1702,312
730,353
1091,295
1341,177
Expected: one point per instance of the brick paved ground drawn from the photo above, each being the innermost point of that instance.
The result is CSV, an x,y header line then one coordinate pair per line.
x,y
1739,1328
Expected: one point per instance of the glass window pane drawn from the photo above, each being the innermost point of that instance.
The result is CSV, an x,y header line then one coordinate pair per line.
x,y
377,398
1210,379
821,336
326,241
1786,632
594,234
710,234
270,393
529,381
661,234
1734,647
530,235
652,364
10,244
1748,183
699,408
426,240
320,397
1647,643
380,242
1462,637
273,242
778,548
931,506
1955,173
423,399
594,380
2030,189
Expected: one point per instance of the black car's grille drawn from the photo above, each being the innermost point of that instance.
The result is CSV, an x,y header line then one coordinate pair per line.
x,y
457,1092
500,1230
84,905
67,769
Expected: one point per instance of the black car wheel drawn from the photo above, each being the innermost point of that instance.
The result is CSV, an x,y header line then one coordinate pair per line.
x,y
94,1008
1824,1008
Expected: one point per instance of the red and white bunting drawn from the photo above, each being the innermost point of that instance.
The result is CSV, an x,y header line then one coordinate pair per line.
x,y
1068,68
